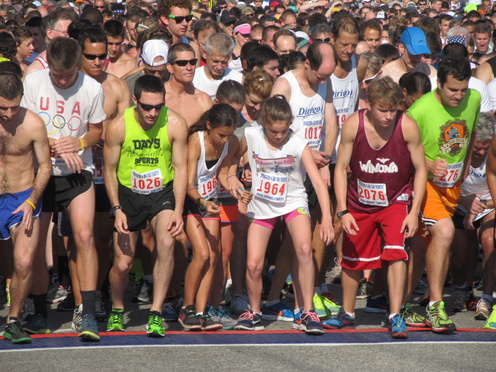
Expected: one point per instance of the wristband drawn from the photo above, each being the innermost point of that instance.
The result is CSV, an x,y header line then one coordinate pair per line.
x,y
342,213
82,144
232,175
31,204
191,188
205,204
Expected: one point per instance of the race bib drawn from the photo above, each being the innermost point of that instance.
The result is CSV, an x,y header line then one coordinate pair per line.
x,y
222,192
451,177
272,187
207,186
146,183
98,175
372,194
312,132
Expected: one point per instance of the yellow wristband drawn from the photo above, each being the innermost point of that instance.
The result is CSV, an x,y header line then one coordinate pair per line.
x,y
31,204
82,144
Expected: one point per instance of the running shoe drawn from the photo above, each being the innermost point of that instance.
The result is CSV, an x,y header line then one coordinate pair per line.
x,y
77,318
250,321
169,313
297,321
310,323
28,308
342,320
319,306
483,309
115,321
471,301
89,329
421,287
332,307
378,305
397,327
411,318
425,299
56,293
15,333
100,312
334,275
187,318
208,324
68,304
459,300
289,292
278,311
146,292
36,324
155,326
438,320
239,303
491,321
222,316
364,288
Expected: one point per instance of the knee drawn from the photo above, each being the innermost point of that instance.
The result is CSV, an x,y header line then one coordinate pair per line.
x,y
122,265
201,256
304,252
253,269
23,265
84,237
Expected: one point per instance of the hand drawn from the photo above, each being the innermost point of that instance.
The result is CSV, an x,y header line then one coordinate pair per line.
x,y
27,218
120,222
409,226
212,208
244,196
468,221
477,206
176,223
326,231
437,167
246,177
73,162
65,145
349,224
320,158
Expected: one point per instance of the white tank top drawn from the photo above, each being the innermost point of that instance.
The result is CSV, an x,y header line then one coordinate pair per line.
x,y
308,112
345,97
476,182
206,178
277,176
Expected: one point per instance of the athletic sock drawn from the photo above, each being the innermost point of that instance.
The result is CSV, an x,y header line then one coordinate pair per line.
x,y
296,311
88,302
391,316
432,303
40,305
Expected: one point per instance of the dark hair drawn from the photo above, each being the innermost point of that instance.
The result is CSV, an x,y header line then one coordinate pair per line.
x,y
315,56
260,56
34,22
114,28
219,115
8,45
10,85
276,108
384,91
387,51
75,27
93,35
176,48
456,66
205,24
148,84
63,54
92,14
9,66
21,34
373,24
230,91
455,49
415,82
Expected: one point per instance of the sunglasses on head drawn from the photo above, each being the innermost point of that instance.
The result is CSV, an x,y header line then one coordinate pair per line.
x,y
184,62
92,57
326,40
371,79
146,107
188,18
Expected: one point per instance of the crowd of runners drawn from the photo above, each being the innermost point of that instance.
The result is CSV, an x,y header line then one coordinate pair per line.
x,y
220,154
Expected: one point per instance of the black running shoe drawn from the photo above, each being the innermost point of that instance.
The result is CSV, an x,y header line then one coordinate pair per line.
x,y
15,333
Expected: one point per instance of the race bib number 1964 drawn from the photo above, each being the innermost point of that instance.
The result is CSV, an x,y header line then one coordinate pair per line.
x,y
272,187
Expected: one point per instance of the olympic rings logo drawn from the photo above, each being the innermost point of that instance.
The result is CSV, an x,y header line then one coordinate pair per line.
x,y
59,123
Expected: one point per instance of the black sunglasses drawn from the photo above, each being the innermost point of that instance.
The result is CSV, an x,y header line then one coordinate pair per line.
x,y
147,108
92,57
326,40
178,20
184,62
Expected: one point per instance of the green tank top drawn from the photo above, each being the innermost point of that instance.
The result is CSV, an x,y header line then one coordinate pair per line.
x,y
145,164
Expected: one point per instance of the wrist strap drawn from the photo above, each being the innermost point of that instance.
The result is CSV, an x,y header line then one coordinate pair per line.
x,y
31,204
82,144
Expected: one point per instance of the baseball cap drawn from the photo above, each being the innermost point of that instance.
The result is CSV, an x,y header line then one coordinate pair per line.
x,y
153,49
243,29
456,39
380,15
411,5
274,4
227,17
414,40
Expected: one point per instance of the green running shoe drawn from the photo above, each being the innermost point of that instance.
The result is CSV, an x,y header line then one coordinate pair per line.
x,y
15,333
116,321
328,300
411,318
319,307
491,321
155,327
438,320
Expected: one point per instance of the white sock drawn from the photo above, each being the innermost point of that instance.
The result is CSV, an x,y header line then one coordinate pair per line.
x,y
352,315
392,315
296,311
432,303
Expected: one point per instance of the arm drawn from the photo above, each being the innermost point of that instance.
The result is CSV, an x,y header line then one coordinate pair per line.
x,y
116,132
491,169
178,134
362,65
411,134
326,228
348,133
281,86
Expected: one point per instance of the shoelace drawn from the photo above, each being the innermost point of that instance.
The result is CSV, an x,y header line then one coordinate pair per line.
x,y
247,315
156,320
440,312
313,316
398,322
115,318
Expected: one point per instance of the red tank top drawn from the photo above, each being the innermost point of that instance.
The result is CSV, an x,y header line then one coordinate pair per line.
x,y
379,177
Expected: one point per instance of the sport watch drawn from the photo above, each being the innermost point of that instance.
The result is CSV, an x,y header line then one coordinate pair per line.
x,y
342,213
113,210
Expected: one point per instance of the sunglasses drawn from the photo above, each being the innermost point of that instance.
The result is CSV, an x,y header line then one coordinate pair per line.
x,y
326,40
99,7
148,108
92,57
370,79
178,20
184,62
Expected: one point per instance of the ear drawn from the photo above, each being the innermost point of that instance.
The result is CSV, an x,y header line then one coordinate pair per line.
x,y
135,100
216,101
404,92
333,39
401,48
209,127
169,68
164,20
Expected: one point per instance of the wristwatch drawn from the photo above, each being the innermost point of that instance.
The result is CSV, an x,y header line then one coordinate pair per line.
x,y
342,213
113,210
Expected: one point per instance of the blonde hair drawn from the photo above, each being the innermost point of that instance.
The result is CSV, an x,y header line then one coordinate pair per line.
x,y
258,83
